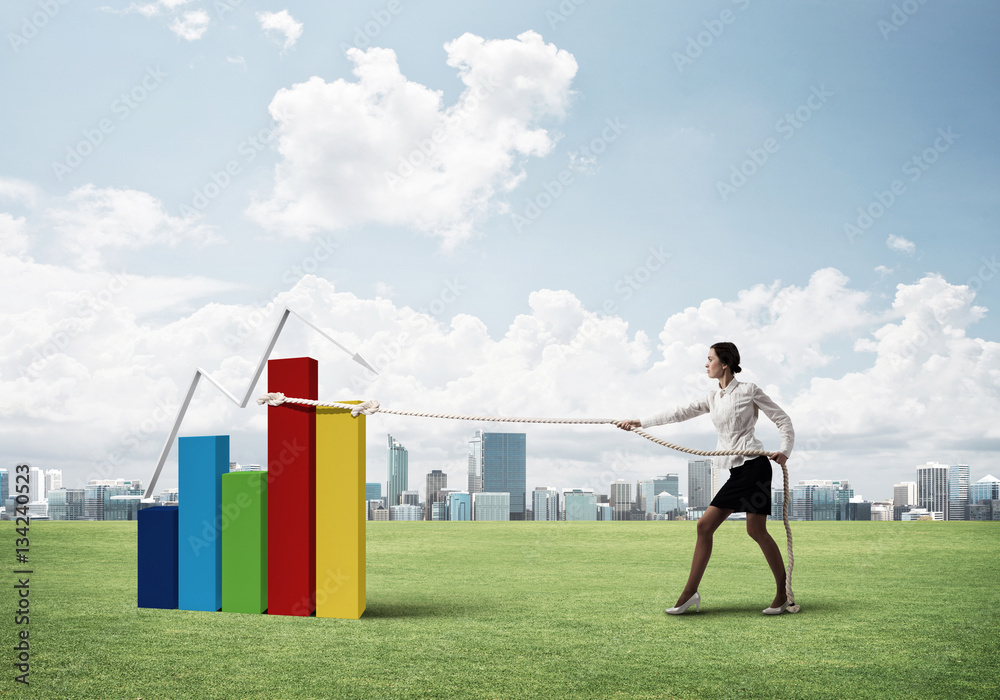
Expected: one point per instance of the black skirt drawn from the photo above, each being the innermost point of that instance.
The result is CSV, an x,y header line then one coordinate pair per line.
x,y
748,489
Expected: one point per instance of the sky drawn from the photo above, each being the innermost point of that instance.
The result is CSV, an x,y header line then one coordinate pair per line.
x,y
543,209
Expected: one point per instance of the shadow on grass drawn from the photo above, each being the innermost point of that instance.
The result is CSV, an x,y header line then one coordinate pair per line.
x,y
400,609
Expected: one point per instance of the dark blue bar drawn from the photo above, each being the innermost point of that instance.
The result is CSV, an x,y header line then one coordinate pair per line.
x,y
157,544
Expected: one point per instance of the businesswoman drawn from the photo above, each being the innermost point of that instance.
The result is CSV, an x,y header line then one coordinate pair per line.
x,y
733,407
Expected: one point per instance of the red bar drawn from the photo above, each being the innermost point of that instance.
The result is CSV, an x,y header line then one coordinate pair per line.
x,y
291,489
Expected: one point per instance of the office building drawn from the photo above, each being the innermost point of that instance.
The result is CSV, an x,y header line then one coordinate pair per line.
x,y
381,513
645,496
702,483
436,480
882,510
66,504
958,492
986,489
53,480
476,462
36,485
491,505
669,483
985,509
124,507
666,505
504,468
374,505
580,504
778,504
904,494
620,499
405,511
4,485
932,488
604,512
460,505
169,497
398,468
545,503
439,510
922,514
409,498
373,491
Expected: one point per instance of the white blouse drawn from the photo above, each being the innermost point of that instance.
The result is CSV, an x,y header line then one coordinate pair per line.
x,y
734,413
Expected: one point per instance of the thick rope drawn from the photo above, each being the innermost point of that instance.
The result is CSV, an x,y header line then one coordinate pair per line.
x,y
372,406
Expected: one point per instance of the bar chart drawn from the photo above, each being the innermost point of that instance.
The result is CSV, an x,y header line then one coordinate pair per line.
x,y
286,541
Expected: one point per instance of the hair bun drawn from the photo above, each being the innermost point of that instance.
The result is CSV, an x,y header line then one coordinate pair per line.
x,y
737,369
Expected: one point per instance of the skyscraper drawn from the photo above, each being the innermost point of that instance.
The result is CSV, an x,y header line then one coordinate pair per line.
x,y
580,504
504,468
476,462
620,498
488,505
702,483
904,494
53,480
645,495
932,488
36,486
545,503
958,492
4,485
373,491
460,505
986,489
436,480
398,466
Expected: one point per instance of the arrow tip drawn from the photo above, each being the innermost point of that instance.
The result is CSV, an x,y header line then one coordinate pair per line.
x,y
361,361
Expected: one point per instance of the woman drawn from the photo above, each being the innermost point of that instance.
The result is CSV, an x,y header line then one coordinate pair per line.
x,y
734,412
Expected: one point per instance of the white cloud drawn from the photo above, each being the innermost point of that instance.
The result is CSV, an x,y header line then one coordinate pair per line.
x,y
187,24
927,390
282,24
92,219
191,25
882,270
13,238
387,150
18,191
900,244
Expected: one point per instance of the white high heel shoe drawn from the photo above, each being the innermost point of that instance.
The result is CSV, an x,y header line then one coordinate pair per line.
x,y
776,611
694,600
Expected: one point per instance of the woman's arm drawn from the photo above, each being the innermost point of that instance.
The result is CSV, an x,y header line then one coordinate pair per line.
x,y
780,419
674,415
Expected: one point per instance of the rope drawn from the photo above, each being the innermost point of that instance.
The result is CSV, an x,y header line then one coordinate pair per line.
x,y
371,407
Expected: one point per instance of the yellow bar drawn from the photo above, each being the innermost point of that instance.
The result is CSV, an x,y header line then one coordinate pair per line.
x,y
340,513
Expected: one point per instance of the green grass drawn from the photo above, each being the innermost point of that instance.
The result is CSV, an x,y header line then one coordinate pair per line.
x,y
537,610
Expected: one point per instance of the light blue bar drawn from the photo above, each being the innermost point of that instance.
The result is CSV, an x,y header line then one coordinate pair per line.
x,y
201,463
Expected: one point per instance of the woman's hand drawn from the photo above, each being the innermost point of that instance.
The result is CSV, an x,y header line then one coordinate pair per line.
x,y
629,424
779,458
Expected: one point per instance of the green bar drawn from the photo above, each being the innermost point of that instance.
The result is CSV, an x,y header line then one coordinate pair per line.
x,y
244,542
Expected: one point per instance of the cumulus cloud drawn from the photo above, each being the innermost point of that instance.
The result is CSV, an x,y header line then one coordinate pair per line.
x,y
92,219
386,149
926,389
190,25
900,244
13,238
281,24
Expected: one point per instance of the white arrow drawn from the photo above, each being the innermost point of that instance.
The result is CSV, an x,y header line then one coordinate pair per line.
x,y
199,373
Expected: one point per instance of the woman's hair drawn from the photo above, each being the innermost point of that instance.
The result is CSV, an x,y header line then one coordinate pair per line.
x,y
729,356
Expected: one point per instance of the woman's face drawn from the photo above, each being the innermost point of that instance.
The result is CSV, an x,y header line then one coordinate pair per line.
x,y
716,370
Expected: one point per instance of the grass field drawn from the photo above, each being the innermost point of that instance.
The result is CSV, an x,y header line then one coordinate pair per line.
x,y
537,610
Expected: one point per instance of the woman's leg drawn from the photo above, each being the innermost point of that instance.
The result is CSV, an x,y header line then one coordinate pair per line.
x,y
707,525
757,529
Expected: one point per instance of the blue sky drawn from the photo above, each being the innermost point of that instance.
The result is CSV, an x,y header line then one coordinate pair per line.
x,y
834,99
